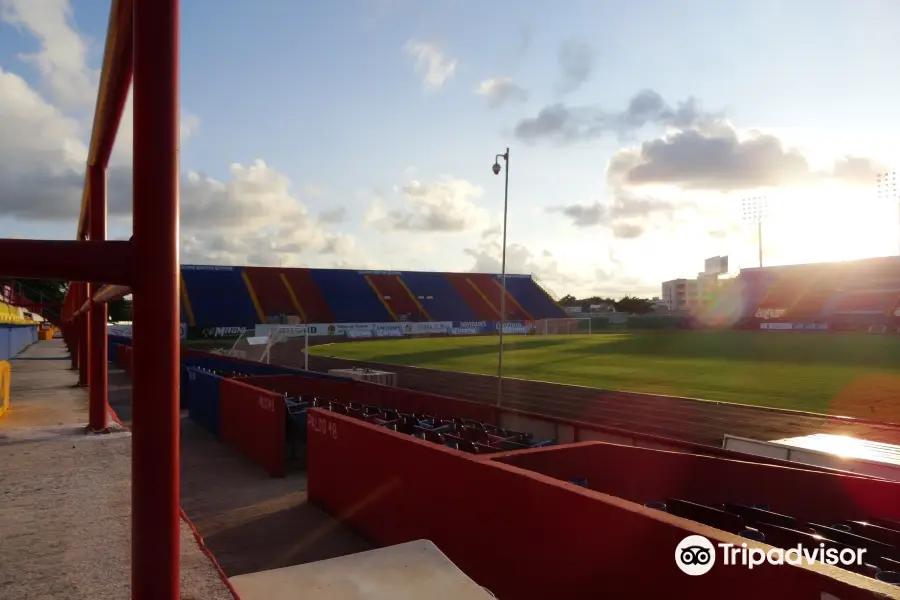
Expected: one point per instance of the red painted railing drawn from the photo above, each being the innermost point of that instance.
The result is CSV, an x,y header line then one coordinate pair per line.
x,y
141,43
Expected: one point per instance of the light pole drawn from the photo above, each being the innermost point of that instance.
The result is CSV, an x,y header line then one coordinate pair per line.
x,y
887,187
756,211
496,169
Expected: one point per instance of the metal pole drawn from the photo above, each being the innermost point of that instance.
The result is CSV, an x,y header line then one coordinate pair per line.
x,y
306,348
156,330
503,284
84,339
759,236
97,395
72,326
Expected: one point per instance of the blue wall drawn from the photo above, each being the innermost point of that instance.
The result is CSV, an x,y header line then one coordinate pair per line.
x,y
15,338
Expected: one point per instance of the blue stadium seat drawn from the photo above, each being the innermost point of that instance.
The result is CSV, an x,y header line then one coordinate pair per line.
x,y
350,297
533,298
219,297
445,303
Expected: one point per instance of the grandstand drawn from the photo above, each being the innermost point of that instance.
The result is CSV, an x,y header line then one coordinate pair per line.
x,y
854,295
275,295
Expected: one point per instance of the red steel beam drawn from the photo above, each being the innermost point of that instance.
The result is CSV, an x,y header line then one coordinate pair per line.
x,y
115,79
84,342
156,330
97,348
104,295
106,261
71,330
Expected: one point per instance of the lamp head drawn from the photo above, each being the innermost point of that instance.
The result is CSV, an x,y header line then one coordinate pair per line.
x,y
496,168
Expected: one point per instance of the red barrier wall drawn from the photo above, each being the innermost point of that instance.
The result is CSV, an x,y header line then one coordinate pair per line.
x,y
611,469
524,535
568,431
368,393
252,421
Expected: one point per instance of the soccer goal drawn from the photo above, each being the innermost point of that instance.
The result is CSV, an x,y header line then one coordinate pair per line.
x,y
566,326
259,348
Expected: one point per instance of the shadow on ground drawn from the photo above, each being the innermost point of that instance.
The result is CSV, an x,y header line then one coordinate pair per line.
x,y
250,521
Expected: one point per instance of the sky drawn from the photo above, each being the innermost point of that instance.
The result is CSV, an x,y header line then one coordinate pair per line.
x,y
361,133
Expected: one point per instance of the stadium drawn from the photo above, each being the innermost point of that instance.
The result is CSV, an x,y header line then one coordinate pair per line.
x,y
260,433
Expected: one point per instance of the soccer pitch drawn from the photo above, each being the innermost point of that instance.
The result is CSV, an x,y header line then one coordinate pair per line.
x,y
844,374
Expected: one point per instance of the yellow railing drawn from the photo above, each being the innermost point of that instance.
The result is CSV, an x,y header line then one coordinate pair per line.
x,y
5,381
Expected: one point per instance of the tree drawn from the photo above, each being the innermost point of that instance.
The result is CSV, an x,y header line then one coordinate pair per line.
x,y
119,310
634,305
568,300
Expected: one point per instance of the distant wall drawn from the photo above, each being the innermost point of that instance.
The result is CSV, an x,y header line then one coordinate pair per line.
x,y
15,338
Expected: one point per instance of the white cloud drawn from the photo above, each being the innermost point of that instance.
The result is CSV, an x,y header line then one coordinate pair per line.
x,y
447,206
431,63
500,90
520,259
62,58
251,217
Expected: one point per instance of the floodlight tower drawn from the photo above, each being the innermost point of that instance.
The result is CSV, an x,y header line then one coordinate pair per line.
x,y
756,210
887,188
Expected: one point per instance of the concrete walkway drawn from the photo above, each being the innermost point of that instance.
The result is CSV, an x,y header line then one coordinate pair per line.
x,y
65,505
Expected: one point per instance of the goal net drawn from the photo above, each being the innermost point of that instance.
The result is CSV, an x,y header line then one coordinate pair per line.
x,y
566,326
259,348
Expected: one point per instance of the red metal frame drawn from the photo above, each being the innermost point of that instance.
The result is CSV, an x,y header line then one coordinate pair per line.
x,y
142,39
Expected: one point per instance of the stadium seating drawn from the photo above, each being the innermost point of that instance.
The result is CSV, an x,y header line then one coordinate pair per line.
x,y
218,296
879,538
350,297
245,296
848,295
466,435
397,298
438,296
868,302
491,288
313,306
533,298
473,296
270,291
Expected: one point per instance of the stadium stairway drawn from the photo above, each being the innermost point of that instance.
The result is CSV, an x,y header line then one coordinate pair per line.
x,y
491,288
350,297
438,296
273,298
313,306
473,296
218,296
398,299
533,299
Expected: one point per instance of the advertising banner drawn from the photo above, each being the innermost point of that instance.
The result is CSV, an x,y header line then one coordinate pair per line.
x,y
125,330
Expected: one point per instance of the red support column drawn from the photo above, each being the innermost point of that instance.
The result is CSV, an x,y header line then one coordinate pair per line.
x,y
84,341
69,327
156,331
97,420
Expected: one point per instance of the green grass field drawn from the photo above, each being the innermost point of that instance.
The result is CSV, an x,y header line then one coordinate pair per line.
x,y
844,374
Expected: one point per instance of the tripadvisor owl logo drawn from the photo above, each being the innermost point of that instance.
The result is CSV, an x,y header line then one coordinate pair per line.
x,y
695,555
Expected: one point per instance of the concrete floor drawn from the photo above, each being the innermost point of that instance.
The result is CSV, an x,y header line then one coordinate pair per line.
x,y
251,522
65,506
